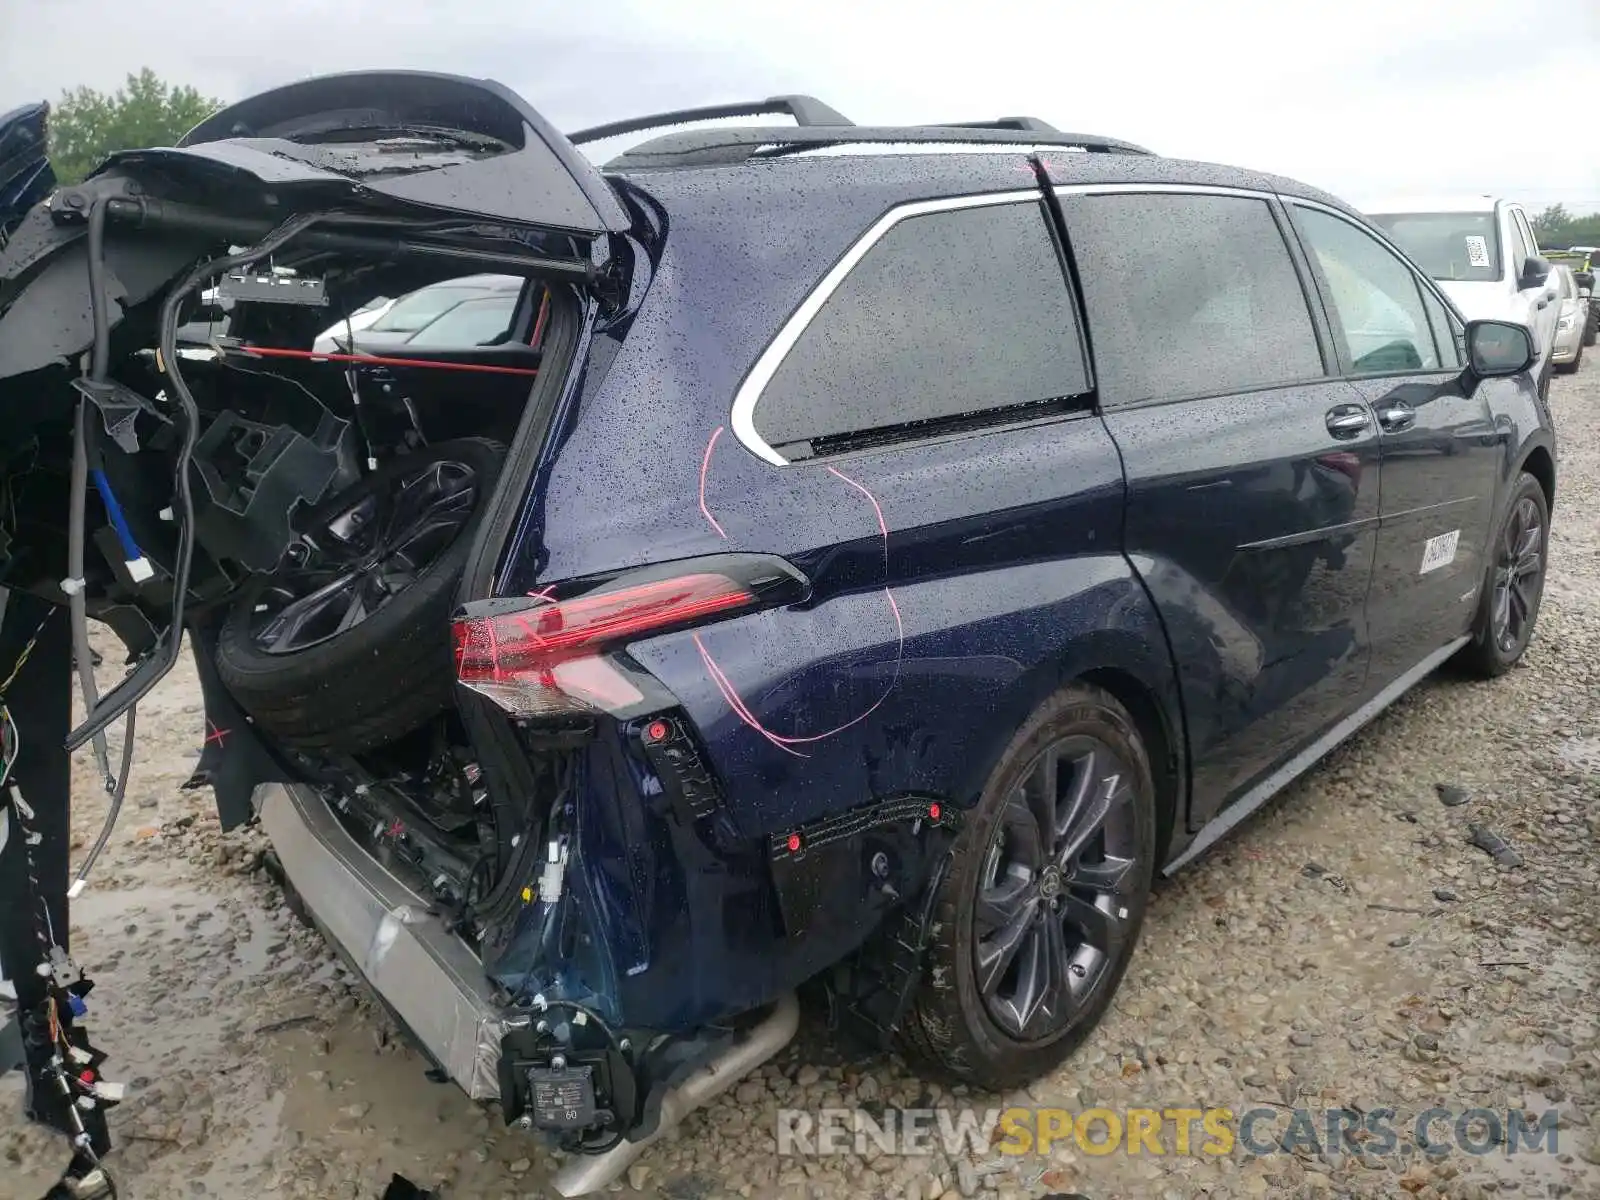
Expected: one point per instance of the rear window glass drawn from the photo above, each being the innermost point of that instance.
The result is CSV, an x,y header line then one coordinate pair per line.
x,y
1189,295
949,315
1463,247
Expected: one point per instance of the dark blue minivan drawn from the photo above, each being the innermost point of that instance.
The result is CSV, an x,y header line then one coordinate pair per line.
x,y
863,555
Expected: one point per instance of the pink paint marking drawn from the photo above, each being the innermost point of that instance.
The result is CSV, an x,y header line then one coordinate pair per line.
x,y
705,465
883,527
742,710
544,594
735,703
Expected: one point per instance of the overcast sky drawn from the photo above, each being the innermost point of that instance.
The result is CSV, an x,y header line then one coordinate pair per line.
x,y
1361,97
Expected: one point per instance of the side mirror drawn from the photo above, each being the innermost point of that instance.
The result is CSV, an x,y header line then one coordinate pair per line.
x,y
1496,348
1535,271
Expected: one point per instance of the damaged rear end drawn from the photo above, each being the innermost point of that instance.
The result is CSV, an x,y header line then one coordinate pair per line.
x,y
287,390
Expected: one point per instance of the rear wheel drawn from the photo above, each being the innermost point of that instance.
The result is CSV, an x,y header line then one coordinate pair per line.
x,y
1513,587
347,646
1039,913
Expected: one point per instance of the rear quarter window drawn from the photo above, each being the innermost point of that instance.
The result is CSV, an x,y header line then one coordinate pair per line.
x,y
950,316
1189,295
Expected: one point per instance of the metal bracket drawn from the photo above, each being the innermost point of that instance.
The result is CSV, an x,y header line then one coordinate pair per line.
x,y
119,408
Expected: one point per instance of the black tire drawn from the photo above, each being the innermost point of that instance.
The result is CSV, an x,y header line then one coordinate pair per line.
x,y
951,1028
386,674
1591,329
1496,643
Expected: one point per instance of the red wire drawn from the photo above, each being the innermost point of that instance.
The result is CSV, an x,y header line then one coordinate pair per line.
x,y
538,324
381,360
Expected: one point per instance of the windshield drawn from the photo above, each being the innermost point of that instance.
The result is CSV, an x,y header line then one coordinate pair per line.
x,y
471,323
1463,247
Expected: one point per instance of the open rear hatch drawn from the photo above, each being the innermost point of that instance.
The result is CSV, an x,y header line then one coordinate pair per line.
x,y
430,169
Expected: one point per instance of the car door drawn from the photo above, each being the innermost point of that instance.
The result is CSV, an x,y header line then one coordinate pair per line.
x,y
1400,349
1252,472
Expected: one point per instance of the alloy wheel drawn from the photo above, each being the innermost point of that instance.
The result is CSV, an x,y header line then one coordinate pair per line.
x,y
359,557
1054,904
1518,567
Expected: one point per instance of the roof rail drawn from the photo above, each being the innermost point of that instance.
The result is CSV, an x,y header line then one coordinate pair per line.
x,y
726,146
806,110
1029,124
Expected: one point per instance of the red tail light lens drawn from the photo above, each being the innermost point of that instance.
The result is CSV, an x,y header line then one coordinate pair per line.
x,y
547,658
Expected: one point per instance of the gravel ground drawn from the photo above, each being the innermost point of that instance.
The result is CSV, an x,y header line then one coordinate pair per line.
x,y
1347,946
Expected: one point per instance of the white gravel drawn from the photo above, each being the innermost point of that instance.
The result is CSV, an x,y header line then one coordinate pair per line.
x,y
1346,946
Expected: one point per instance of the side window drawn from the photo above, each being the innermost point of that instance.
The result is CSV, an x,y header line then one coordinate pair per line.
x,y
1521,243
951,314
1377,304
1527,231
1189,295
1448,334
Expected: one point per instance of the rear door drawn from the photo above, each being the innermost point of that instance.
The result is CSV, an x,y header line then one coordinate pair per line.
x,y
1399,347
1252,473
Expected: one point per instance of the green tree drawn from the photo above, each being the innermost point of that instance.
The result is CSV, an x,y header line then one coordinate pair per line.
x,y
88,125
1552,224
1555,226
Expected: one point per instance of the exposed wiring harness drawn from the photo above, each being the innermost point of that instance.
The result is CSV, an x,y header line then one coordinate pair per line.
x,y
135,686
100,355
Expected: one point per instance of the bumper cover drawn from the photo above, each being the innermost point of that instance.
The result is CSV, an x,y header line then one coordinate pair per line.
x,y
424,973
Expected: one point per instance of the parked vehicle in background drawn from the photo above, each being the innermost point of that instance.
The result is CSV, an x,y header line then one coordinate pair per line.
x,y
339,334
409,315
1582,260
1572,312
1483,253
790,593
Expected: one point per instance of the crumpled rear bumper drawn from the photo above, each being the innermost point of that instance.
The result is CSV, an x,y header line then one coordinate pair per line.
x,y
425,973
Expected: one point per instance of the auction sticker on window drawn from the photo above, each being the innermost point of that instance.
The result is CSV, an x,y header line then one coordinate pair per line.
x,y
1439,551
1477,251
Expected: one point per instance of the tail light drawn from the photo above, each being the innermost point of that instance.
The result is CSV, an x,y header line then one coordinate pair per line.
x,y
550,654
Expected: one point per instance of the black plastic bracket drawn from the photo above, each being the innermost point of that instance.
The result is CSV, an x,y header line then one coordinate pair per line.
x,y
254,476
879,854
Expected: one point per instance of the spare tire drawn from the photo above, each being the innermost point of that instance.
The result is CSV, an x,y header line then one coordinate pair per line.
x,y
347,645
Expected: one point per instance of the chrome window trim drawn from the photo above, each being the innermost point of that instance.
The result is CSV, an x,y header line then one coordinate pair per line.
x,y
742,418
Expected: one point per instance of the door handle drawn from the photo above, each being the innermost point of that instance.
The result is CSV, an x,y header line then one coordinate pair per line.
x,y
1396,415
1347,420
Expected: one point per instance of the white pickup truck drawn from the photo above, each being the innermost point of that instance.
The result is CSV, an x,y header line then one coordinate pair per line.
x,y
1484,254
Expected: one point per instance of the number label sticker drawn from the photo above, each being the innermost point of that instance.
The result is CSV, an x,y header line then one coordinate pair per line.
x,y
1439,551
1477,251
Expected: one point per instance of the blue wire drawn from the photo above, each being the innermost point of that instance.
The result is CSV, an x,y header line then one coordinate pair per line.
x,y
130,548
